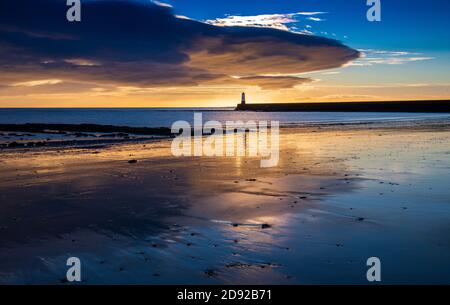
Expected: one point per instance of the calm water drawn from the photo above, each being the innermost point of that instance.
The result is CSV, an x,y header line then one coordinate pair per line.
x,y
154,117
336,199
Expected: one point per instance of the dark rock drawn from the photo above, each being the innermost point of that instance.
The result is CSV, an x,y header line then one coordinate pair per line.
x,y
211,273
15,144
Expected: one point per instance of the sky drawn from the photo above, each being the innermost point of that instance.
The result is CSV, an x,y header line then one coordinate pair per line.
x,y
199,53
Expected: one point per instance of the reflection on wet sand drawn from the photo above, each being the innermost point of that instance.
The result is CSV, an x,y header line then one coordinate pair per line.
x,y
182,220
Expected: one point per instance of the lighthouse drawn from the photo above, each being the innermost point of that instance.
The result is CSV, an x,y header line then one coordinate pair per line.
x,y
243,98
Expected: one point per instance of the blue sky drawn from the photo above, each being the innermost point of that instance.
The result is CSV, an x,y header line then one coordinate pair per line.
x,y
411,26
407,24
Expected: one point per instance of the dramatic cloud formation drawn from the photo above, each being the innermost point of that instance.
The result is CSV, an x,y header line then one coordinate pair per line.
x,y
161,3
143,44
275,21
371,57
315,19
274,82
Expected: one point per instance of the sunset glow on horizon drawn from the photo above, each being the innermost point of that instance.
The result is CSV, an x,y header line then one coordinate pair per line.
x,y
198,54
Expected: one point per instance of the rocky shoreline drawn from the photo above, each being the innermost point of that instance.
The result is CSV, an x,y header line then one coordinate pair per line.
x,y
34,135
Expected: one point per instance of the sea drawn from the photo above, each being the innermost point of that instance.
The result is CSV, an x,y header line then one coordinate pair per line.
x,y
165,117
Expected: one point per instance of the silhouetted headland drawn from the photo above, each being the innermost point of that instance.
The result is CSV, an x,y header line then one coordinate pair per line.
x,y
432,106
45,128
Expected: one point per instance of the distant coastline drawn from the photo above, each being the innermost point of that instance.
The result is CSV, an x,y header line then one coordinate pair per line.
x,y
430,106
33,135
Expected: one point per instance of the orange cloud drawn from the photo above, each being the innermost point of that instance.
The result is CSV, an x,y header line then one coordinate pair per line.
x,y
145,45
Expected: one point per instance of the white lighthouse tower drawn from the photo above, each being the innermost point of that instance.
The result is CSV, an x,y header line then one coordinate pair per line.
x,y
243,98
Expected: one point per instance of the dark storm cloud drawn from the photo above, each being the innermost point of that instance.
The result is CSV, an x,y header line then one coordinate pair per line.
x,y
274,82
142,44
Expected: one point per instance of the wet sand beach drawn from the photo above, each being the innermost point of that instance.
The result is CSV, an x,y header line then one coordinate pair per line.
x,y
340,195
